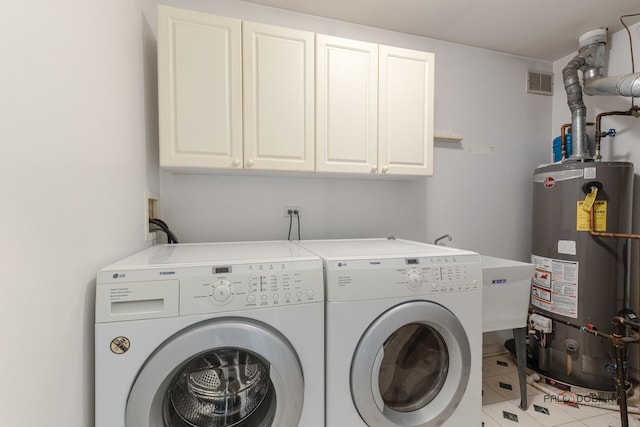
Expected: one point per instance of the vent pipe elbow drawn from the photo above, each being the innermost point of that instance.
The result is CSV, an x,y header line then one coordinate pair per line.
x,y
576,105
590,60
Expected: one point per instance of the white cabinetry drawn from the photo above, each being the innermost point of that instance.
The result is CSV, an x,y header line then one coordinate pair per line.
x,y
347,105
241,95
278,77
199,89
374,108
405,118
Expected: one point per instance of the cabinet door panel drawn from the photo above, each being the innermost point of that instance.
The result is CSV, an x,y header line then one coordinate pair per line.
x,y
199,89
347,105
279,98
406,111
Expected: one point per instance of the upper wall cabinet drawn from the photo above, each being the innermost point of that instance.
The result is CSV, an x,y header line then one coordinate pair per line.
x,y
374,108
347,105
278,77
199,89
243,95
405,118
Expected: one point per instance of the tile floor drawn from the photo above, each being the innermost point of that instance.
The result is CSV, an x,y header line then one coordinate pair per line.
x,y
501,400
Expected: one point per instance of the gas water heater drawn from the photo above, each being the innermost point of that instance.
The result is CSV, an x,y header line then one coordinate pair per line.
x,y
579,279
581,219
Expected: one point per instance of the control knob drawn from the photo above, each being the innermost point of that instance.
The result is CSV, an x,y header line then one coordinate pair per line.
x,y
415,279
221,293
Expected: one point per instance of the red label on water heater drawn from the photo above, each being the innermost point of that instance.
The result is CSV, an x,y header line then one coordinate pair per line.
x,y
549,182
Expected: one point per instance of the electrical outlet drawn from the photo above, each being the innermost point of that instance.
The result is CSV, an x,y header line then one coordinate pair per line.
x,y
293,209
151,210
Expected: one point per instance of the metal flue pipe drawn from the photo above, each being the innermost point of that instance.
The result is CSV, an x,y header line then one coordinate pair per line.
x,y
628,85
577,107
590,60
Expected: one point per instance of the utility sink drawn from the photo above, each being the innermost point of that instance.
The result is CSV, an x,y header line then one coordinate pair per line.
x,y
506,286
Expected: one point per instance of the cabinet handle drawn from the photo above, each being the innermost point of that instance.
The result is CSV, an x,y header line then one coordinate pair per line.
x,y
249,163
374,169
385,169
235,163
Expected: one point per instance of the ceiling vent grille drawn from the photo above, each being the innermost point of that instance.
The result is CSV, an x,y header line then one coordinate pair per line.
x,y
540,83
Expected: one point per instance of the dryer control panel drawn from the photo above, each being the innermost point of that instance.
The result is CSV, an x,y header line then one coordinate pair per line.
x,y
358,279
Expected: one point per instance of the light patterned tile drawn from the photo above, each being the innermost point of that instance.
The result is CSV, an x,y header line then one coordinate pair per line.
x,y
504,385
612,419
489,396
503,364
498,400
489,369
582,412
488,421
545,413
531,390
573,424
506,414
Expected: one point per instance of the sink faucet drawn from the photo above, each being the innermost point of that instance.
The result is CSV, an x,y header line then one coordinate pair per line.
x,y
446,236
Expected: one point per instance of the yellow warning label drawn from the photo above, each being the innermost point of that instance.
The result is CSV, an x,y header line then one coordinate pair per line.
x,y
599,216
589,200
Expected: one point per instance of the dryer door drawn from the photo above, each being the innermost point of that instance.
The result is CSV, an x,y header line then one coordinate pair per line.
x,y
411,367
220,373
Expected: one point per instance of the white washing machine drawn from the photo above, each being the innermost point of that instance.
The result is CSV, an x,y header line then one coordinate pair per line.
x,y
228,334
403,334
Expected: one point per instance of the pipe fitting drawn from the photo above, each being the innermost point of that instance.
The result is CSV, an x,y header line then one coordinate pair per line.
x,y
576,105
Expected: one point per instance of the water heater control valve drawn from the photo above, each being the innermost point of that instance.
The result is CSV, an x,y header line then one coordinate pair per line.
x,y
540,323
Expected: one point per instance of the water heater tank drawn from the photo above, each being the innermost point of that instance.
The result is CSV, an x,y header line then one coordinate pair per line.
x,y
579,279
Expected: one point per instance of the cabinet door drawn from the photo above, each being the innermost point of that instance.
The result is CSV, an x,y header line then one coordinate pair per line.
x,y
405,139
199,89
346,105
278,98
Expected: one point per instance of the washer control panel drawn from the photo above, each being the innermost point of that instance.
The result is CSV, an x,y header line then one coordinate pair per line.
x,y
387,278
252,285
199,289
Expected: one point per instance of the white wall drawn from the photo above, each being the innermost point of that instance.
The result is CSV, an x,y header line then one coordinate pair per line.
x,y
79,139
483,200
625,146
78,110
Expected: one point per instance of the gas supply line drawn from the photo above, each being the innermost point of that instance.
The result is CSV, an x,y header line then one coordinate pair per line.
x,y
620,341
634,111
604,233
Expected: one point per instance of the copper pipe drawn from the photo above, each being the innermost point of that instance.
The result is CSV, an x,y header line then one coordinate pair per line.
x,y
630,323
593,330
563,130
604,234
633,111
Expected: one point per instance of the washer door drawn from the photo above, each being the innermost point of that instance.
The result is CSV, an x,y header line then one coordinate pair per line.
x,y
220,373
411,367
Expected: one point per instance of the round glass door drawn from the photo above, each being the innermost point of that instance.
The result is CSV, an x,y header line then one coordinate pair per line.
x,y
414,367
222,388
220,373
411,366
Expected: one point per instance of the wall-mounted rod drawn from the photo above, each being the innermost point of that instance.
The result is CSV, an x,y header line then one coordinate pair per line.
x,y
448,137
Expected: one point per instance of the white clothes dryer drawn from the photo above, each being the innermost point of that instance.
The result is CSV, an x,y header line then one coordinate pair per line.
x,y
403,333
224,334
